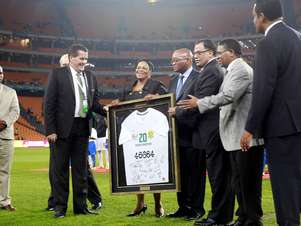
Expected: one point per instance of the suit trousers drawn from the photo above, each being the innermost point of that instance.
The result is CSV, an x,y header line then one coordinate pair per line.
x,y
74,149
219,174
193,180
93,195
247,184
284,158
6,157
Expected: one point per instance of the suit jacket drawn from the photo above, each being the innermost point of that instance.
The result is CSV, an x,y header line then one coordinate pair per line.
x,y
185,120
234,99
276,108
207,84
59,101
9,112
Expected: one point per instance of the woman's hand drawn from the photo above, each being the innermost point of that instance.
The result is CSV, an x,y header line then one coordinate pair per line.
x,y
150,96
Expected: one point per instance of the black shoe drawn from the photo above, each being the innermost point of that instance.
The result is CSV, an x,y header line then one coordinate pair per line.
x,y
179,213
97,206
193,216
208,222
86,212
237,223
251,223
59,214
138,212
49,208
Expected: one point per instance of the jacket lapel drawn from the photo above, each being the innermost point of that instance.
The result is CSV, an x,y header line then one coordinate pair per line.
x,y
70,80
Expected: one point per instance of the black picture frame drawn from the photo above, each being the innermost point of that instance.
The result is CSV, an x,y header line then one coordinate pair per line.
x,y
116,115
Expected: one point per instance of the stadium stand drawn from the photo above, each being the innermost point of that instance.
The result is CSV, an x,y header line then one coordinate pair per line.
x,y
31,46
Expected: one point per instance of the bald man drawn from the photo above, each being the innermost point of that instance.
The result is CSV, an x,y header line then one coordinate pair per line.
x,y
191,197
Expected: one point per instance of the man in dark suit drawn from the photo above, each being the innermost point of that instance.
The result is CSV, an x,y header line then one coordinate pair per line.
x,y
93,195
206,137
275,112
191,197
70,98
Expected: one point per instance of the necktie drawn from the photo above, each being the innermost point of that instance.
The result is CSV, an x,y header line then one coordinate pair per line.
x,y
179,86
82,114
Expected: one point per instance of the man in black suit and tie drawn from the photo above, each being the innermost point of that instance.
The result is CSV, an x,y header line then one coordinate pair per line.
x,y
275,112
191,197
93,195
70,98
207,140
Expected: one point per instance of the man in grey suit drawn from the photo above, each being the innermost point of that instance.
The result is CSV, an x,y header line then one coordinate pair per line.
x,y
234,100
9,113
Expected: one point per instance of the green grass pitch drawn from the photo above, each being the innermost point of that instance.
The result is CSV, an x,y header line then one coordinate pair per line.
x,y
30,190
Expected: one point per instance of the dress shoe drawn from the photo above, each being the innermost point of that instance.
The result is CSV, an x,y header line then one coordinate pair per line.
x,y
208,222
97,206
59,214
86,212
193,216
159,212
251,223
237,223
138,212
179,213
9,207
49,208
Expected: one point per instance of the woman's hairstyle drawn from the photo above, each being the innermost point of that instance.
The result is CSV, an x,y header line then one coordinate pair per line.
x,y
150,64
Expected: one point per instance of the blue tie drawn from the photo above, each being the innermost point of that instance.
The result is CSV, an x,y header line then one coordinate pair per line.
x,y
179,86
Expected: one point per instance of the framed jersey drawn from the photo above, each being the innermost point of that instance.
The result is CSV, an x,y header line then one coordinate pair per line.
x,y
142,146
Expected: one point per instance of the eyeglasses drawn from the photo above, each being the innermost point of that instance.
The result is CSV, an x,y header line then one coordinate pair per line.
x,y
201,52
176,60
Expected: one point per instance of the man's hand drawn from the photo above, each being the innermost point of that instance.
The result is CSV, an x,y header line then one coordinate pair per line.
x,y
189,103
245,141
172,111
3,125
150,96
52,137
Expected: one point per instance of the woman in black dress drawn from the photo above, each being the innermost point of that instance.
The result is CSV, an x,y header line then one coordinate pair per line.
x,y
142,87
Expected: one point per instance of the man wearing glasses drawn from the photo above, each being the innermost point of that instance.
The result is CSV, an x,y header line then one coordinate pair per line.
x,y
234,100
191,197
207,139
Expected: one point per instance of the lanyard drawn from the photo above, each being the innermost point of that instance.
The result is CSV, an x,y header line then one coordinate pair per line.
x,y
83,85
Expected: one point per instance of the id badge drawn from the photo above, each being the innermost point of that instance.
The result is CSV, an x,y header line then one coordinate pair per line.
x,y
85,106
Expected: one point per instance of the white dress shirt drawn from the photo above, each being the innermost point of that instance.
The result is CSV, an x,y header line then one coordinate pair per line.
x,y
76,89
186,74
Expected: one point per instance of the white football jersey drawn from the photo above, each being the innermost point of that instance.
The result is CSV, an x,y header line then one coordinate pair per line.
x,y
144,136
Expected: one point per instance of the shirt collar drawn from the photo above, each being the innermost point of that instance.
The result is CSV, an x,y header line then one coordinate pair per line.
x,y
187,72
270,27
73,71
